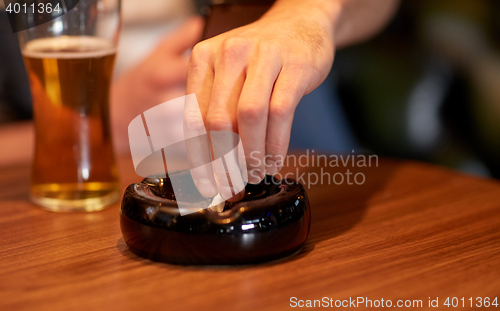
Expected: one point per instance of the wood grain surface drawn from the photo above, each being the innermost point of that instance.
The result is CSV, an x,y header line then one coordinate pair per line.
x,y
411,231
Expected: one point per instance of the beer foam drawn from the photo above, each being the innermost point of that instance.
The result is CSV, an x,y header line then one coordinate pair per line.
x,y
68,47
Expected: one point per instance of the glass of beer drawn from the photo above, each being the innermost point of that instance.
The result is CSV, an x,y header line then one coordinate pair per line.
x,y
69,61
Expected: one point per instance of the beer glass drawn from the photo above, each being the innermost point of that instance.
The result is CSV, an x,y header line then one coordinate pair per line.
x,y
69,61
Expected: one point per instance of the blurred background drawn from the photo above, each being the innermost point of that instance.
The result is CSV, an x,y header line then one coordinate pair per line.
x,y
426,88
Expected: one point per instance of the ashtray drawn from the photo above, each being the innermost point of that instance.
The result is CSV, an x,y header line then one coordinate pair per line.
x,y
270,222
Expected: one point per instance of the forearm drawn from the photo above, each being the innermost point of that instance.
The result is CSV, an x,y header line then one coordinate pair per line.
x,y
361,19
347,21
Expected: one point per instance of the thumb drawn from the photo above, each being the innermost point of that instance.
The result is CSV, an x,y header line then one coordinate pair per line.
x,y
184,37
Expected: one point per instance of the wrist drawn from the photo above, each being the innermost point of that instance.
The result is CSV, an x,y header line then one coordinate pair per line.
x,y
325,13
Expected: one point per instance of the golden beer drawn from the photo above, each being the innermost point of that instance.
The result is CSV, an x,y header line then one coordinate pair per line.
x,y
74,166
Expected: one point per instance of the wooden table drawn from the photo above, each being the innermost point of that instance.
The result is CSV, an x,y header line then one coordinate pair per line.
x,y
410,232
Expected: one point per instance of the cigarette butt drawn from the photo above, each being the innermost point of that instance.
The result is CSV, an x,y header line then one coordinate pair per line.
x,y
217,204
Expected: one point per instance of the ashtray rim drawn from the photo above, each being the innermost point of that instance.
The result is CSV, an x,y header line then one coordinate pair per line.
x,y
169,206
280,227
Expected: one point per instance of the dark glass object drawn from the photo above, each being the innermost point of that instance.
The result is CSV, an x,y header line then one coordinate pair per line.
x,y
272,221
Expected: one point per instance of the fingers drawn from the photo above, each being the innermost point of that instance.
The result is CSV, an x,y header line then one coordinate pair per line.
x,y
198,148
199,82
228,82
225,167
286,95
254,97
200,75
221,116
253,110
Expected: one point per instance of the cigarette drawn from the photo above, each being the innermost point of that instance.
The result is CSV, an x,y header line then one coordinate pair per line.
x,y
217,204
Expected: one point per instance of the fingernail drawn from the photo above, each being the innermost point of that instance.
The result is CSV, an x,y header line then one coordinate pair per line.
x,y
226,192
238,188
206,188
255,176
272,167
237,197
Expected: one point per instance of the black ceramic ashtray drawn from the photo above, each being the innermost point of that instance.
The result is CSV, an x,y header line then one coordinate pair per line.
x,y
272,221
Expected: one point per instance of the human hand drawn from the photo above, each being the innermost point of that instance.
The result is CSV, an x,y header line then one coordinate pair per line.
x,y
249,81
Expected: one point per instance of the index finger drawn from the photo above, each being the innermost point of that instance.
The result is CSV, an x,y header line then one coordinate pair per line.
x,y
198,148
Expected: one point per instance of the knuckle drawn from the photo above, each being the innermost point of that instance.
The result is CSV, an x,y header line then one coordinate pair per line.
x,y
252,113
200,53
202,48
193,123
235,43
266,48
234,48
279,111
216,123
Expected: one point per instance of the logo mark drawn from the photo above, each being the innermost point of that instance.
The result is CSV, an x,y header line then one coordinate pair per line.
x,y
215,159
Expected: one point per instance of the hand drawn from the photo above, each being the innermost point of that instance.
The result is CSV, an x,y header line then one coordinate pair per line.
x,y
249,81
158,78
